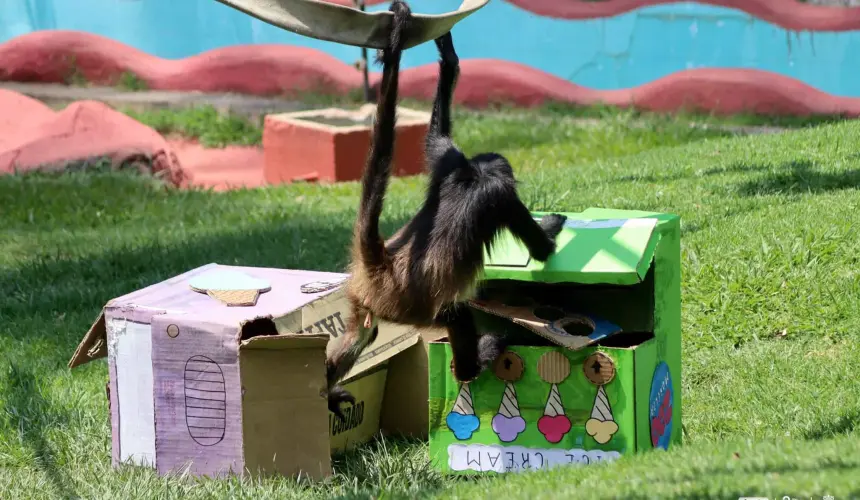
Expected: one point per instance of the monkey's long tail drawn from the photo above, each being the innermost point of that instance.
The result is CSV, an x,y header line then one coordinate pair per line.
x,y
377,171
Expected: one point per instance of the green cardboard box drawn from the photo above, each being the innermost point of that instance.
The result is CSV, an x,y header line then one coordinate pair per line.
x,y
594,368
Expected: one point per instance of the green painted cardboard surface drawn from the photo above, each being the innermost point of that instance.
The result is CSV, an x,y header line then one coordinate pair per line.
x,y
645,360
620,253
577,395
667,312
629,394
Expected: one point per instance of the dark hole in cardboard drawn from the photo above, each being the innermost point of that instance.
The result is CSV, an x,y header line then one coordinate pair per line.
x,y
548,313
517,301
258,328
578,327
626,340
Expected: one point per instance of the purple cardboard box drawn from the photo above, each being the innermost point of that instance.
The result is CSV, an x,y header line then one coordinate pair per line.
x,y
203,384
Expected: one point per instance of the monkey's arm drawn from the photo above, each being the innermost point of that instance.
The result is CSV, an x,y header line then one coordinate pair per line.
x,y
539,238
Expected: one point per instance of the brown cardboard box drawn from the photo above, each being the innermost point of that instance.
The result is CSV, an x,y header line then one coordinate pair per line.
x,y
200,383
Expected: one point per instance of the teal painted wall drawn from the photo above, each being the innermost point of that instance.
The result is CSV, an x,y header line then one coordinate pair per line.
x,y
612,53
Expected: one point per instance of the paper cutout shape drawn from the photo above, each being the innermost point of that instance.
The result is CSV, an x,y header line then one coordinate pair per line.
x,y
554,368
462,419
660,406
230,287
601,426
508,423
552,329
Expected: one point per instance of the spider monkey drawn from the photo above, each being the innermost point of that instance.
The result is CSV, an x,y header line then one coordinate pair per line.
x,y
424,274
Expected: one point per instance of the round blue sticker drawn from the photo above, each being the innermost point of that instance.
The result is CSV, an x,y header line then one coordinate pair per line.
x,y
660,406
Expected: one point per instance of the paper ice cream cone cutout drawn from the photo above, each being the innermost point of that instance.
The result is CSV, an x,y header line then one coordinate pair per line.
x,y
554,368
230,287
554,424
601,426
463,405
553,406
235,297
508,423
510,407
462,420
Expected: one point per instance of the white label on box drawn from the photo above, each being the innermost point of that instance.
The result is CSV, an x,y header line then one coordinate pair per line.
x,y
131,344
484,458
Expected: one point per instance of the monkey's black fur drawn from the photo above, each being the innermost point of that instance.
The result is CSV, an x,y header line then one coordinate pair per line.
x,y
425,273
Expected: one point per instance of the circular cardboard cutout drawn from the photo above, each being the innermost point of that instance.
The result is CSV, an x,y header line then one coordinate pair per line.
x,y
508,367
553,367
599,368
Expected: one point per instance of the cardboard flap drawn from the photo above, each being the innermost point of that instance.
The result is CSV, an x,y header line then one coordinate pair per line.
x,y
553,324
391,341
603,250
285,341
94,344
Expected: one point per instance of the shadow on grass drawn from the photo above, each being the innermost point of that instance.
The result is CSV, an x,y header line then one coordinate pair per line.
x,y
844,424
799,177
734,168
27,413
51,299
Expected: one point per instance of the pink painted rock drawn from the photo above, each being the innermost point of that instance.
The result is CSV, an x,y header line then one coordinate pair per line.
x,y
32,136
47,56
220,169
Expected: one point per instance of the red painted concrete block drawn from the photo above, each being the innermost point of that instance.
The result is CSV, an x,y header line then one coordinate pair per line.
x,y
331,145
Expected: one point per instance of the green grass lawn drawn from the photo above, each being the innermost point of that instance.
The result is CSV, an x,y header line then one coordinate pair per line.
x,y
771,288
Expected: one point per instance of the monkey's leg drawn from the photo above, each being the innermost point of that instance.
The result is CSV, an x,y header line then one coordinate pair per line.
x,y
463,336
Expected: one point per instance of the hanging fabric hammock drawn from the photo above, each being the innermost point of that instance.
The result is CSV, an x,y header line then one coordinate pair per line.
x,y
350,26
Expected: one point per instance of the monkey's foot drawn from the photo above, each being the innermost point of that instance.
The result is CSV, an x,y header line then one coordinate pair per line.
x,y
336,396
402,17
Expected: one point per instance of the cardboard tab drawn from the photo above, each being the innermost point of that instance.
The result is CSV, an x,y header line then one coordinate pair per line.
x,y
93,345
557,326
285,341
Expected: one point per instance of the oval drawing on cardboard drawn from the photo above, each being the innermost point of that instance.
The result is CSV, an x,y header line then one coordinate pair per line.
x,y
205,401
660,406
